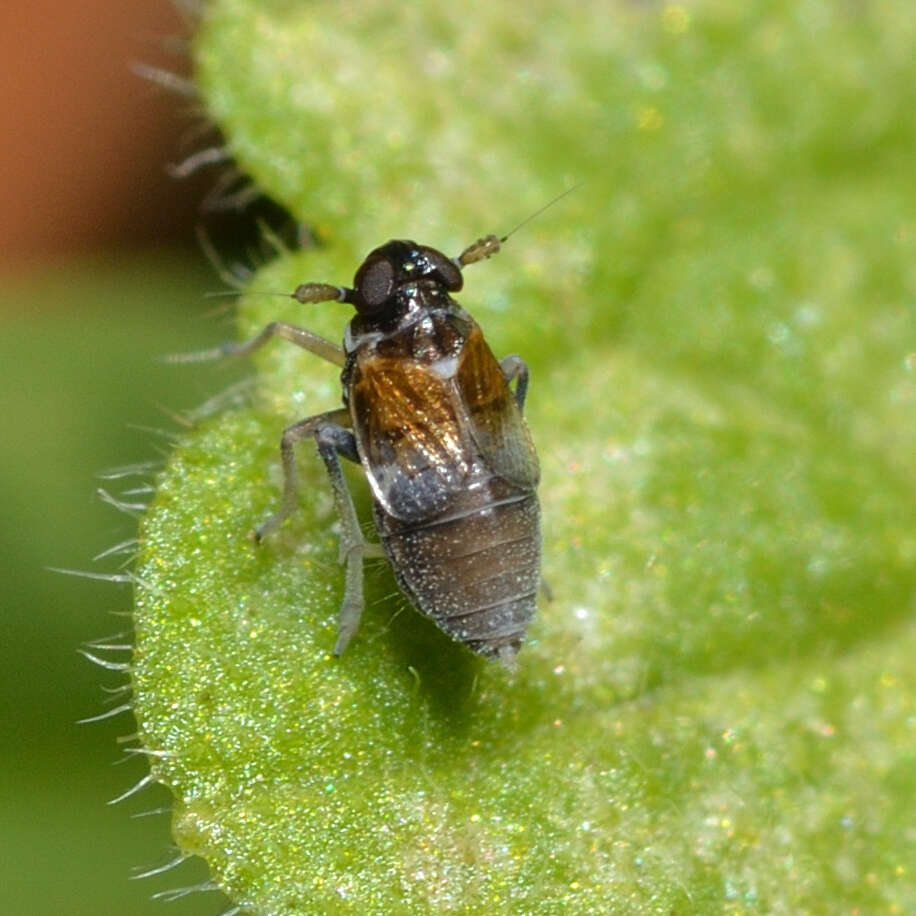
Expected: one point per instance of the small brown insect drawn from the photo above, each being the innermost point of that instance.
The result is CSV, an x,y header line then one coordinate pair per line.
x,y
432,418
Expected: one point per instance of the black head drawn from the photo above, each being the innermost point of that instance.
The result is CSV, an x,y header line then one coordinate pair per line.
x,y
395,265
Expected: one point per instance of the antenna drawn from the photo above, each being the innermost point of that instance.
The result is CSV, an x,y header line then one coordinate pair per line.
x,y
546,206
490,244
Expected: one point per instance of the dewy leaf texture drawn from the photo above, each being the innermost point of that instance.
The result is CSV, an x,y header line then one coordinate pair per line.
x,y
715,713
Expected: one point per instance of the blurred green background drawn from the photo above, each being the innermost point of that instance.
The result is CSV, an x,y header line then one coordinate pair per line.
x,y
77,350
99,274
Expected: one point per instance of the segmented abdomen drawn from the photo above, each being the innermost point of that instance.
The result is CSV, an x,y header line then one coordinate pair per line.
x,y
475,570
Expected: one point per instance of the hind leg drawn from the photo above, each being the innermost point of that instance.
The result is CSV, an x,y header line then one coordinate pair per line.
x,y
304,429
333,441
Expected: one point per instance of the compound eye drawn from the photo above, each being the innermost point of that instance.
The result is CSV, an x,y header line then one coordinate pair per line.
x,y
446,270
374,282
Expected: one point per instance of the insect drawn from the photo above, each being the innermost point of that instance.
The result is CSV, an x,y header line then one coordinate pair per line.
x,y
436,424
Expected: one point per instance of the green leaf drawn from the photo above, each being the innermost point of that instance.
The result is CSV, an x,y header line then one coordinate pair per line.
x,y
716,711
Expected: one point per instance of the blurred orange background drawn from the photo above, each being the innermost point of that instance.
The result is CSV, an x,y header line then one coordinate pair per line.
x,y
100,275
85,140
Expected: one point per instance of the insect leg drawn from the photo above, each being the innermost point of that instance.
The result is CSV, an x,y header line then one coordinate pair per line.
x,y
333,441
304,429
299,336
514,367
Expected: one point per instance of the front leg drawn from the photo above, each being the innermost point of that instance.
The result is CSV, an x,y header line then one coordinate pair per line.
x,y
514,367
299,336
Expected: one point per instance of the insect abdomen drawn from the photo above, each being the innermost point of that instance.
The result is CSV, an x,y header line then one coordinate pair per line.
x,y
475,570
